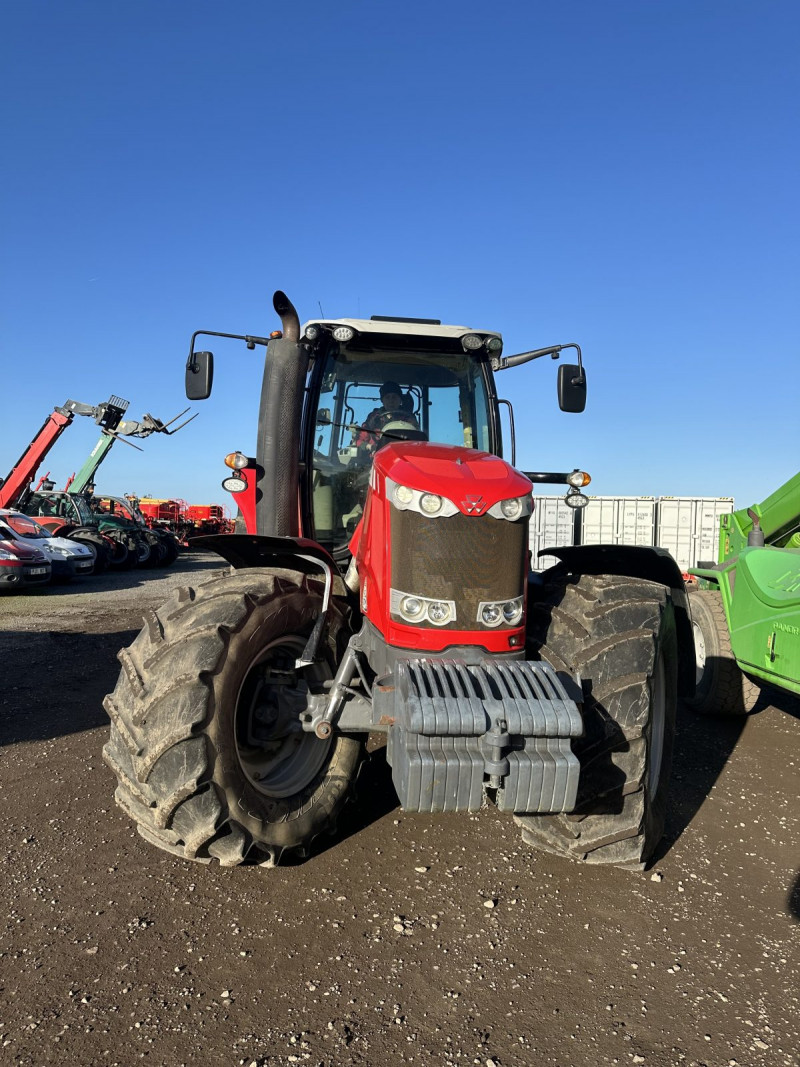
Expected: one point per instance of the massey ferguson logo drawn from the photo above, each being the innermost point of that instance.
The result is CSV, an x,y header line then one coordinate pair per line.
x,y
473,505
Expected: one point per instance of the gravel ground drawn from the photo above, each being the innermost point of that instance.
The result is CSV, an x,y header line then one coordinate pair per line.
x,y
410,939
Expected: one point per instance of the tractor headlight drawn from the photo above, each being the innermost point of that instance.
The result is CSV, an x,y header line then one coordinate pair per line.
x,y
420,609
344,333
491,614
430,503
440,612
471,342
576,500
411,608
494,612
311,332
512,611
512,509
494,344
236,461
404,498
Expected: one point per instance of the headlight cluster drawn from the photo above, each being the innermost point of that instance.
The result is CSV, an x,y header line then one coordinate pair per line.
x,y
471,342
434,506
430,504
313,331
417,609
495,612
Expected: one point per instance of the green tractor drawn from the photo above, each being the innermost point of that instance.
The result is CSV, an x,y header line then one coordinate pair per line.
x,y
746,612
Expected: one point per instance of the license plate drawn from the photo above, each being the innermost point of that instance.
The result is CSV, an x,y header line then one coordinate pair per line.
x,y
38,570
85,566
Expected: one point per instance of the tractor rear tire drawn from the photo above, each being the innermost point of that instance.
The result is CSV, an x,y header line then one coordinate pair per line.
x,y
721,687
206,740
618,635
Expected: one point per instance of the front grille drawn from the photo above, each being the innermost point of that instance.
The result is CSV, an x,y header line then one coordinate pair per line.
x,y
463,558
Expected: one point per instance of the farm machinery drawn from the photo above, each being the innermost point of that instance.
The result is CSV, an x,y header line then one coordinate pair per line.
x,y
121,514
387,591
68,513
746,613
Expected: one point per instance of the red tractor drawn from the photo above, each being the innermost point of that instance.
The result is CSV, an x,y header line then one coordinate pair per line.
x,y
388,590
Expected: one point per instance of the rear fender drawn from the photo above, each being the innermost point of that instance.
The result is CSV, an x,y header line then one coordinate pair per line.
x,y
653,565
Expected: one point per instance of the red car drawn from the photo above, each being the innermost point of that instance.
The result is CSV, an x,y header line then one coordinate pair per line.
x,y
21,566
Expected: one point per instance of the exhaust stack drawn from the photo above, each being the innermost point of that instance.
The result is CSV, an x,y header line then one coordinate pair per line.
x,y
280,415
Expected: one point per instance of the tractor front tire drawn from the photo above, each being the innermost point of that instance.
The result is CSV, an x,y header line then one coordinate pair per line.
x,y
618,636
206,740
721,687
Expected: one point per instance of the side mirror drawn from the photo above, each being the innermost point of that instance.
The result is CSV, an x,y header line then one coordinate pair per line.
x,y
324,417
571,387
199,375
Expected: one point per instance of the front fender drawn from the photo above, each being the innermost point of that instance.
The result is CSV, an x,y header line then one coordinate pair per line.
x,y
290,553
653,565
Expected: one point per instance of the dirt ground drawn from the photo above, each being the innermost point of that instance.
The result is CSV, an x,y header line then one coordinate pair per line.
x,y
409,939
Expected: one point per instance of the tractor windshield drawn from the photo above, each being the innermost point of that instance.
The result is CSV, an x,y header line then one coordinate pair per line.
x,y
72,509
367,399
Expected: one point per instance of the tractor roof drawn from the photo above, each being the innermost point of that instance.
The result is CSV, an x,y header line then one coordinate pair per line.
x,y
402,327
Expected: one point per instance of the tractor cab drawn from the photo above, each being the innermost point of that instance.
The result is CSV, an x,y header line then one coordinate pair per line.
x,y
56,509
376,381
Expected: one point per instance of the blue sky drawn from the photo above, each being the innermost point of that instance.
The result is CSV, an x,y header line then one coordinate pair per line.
x,y
620,173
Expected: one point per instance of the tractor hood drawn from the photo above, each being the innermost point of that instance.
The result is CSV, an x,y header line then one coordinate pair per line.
x,y
462,475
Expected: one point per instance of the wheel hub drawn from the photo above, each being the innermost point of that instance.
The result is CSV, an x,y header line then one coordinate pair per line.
x,y
278,757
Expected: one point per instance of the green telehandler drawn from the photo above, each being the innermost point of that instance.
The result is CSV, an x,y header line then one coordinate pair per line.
x,y
746,610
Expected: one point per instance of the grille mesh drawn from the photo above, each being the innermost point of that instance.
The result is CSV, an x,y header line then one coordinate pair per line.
x,y
464,558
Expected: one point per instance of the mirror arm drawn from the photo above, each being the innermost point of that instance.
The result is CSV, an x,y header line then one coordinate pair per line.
x,y
581,378
502,362
249,339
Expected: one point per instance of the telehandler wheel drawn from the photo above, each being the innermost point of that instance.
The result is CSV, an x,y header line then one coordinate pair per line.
x,y
619,635
721,687
140,549
121,558
157,551
205,737
170,550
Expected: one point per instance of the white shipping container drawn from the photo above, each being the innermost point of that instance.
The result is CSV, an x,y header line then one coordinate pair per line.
x,y
551,526
688,527
619,520
710,510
